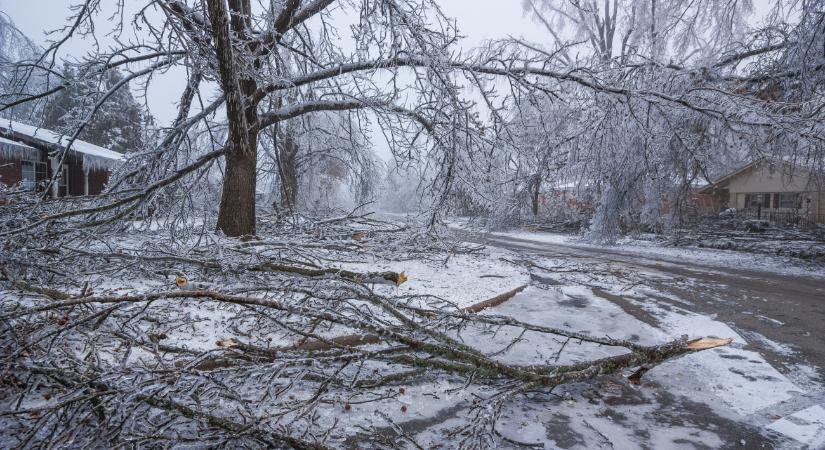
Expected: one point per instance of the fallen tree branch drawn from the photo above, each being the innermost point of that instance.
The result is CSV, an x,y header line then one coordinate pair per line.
x,y
359,277
495,301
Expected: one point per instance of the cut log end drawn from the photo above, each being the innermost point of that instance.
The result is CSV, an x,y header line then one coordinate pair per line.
x,y
695,345
394,278
706,343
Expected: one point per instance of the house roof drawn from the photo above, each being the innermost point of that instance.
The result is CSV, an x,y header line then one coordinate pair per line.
x,y
716,184
25,135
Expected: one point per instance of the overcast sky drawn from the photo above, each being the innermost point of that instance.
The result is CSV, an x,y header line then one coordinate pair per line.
x,y
479,20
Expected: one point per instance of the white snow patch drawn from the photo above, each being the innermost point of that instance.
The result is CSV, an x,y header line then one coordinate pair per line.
x,y
780,349
463,279
742,379
572,308
806,426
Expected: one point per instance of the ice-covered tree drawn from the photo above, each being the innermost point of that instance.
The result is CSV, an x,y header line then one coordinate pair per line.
x,y
17,81
674,92
116,125
274,63
311,157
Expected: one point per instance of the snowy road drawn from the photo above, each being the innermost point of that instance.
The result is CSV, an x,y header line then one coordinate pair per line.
x,y
769,384
785,308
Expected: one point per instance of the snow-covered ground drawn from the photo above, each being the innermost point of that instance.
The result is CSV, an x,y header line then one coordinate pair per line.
x,y
679,404
690,402
732,396
735,382
462,279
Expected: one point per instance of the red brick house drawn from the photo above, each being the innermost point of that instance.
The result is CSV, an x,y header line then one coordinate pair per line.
x,y
29,157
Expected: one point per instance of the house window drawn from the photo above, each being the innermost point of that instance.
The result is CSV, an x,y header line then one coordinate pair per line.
x,y
789,200
33,174
757,200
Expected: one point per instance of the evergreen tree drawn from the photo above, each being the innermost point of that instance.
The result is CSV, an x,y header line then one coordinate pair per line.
x,y
116,125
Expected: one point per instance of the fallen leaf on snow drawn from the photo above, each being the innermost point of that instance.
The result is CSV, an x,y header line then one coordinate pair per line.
x,y
402,277
181,281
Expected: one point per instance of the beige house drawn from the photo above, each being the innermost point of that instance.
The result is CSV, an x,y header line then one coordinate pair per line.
x,y
768,189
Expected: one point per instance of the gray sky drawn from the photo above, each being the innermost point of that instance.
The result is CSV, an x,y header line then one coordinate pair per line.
x,y
479,20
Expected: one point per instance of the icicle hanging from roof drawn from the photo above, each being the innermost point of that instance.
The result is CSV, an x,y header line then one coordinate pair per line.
x,y
94,156
16,150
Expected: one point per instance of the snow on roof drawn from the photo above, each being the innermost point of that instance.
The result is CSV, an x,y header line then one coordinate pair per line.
x,y
93,155
4,141
570,185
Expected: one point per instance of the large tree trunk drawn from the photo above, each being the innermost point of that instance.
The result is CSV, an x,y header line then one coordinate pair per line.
x,y
535,196
236,216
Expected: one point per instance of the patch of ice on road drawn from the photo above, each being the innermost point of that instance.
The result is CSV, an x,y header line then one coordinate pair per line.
x,y
733,381
810,374
742,379
677,321
806,426
776,347
815,415
625,419
572,308
777,323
